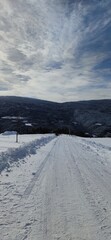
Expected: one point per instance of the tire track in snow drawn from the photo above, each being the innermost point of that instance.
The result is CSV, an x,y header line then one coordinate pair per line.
x,y
48,197
95,190
30,187
63,208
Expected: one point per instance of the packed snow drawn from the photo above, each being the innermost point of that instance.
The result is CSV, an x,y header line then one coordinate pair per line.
x,y
55,188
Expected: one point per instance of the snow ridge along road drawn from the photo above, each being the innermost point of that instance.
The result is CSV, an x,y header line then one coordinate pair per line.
x,y
67,198
14,155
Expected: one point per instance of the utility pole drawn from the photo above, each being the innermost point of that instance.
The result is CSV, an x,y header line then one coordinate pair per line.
x,y
16,137
69,130
17,127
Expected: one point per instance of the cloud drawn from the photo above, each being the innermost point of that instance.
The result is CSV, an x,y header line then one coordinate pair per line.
x,y
23,78
15,55
60,49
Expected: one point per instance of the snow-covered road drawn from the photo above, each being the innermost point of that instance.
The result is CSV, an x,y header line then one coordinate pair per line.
x,y
68,196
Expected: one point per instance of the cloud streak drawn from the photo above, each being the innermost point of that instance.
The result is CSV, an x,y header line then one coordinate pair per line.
x,y
61,50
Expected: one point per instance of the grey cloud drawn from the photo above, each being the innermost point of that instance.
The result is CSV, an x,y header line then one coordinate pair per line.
x,y
54,65
5,25
20,59
5,68
6,71
4,86
15,55
23,78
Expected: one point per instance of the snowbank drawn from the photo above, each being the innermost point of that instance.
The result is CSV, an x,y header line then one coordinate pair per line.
x,y
14,155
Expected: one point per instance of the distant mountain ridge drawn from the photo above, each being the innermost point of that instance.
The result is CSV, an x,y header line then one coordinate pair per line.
x,y
28,115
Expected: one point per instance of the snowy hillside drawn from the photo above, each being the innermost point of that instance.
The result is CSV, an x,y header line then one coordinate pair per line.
x,y
84,118
60,189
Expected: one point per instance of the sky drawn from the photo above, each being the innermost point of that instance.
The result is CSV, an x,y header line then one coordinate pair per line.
x,y
57,50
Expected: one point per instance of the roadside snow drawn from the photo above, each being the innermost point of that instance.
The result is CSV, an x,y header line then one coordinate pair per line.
x,y
12,155
9,141
101,146
102,142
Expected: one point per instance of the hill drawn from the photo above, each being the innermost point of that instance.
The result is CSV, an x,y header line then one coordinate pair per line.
x,y
84,118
